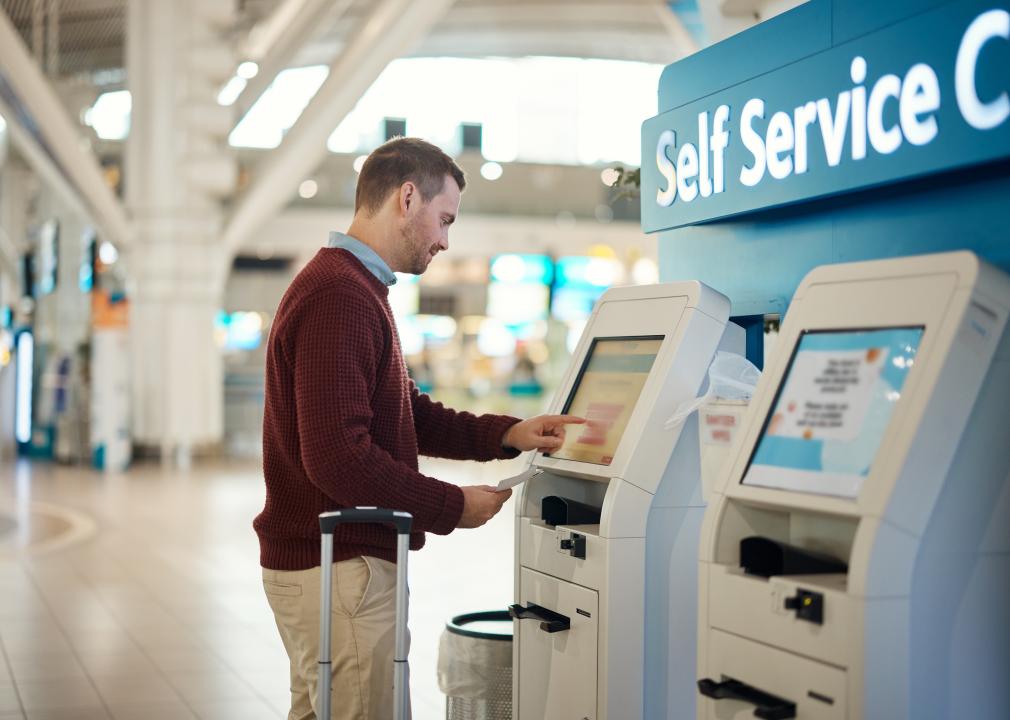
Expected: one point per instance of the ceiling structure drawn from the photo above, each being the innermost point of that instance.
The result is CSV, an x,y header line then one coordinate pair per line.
x,y
611,29
71,37
82,44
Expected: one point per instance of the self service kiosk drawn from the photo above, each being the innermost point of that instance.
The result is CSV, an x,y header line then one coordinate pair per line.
x,y
581,526
855,556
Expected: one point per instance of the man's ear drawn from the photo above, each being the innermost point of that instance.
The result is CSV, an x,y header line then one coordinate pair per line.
x,y
408,196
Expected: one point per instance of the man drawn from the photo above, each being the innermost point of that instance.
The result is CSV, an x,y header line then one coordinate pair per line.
x,y
343,426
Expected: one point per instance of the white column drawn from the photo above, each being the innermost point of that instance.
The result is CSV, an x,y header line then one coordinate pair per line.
x,y
174,67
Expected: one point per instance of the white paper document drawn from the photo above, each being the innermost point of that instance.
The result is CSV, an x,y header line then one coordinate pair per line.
x,y
511,482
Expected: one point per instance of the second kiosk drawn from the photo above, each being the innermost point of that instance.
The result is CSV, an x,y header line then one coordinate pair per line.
x,y
855,557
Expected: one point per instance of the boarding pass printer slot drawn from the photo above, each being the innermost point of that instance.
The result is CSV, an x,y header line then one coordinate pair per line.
x,y
767,558
557,510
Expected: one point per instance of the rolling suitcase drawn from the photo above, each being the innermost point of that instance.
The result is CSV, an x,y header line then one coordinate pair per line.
x,y
328,522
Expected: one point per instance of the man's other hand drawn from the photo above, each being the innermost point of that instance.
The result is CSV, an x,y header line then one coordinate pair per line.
x,y
543,433
480,504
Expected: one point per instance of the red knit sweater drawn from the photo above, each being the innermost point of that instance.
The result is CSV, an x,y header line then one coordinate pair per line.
x,y
343,424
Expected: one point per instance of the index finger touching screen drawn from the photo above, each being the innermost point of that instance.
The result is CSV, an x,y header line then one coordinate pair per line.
x,y
605,393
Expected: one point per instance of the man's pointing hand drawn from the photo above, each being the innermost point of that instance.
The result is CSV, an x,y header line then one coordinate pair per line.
x,y
543,433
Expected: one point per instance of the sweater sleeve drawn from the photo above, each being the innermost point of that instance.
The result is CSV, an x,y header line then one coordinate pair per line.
x,y
336,351
446,433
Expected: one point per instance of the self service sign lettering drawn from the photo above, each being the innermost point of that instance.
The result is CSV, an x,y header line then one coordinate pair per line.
x,y
924,95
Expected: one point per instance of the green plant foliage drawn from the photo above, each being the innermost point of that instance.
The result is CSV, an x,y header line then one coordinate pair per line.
x,y
628,183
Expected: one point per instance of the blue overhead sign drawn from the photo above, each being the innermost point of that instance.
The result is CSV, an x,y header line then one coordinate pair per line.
x,y
926,94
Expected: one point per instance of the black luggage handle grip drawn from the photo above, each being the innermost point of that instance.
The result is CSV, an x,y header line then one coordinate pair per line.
x,y
550,621
402,521
767,706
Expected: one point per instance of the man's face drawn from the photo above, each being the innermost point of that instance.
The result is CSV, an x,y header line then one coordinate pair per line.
x,y
426,227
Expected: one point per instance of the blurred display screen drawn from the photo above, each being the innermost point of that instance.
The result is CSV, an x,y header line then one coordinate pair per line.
x,y
239,330
89,258
436,329
517,304
48,257
519,291
514,268
600,272
578,284
832,410
605,394
411,337
574,303
535,330
494,339
404,296
25,350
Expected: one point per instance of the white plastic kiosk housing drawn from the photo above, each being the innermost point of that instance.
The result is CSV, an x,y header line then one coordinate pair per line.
x,y
580,585
855,557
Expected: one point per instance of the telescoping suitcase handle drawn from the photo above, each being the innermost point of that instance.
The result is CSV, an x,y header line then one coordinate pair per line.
x,y
328,522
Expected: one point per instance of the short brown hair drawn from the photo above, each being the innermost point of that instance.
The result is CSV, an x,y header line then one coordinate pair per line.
x,y
401,160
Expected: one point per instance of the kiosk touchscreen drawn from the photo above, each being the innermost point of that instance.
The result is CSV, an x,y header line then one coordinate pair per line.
x,y
584,522
605,393
855,558
832,408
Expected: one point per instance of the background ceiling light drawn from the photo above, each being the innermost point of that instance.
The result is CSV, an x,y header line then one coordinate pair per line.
x,y
491,170
308,189
247,70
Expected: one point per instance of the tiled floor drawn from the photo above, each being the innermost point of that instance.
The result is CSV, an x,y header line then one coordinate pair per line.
x,y
155,610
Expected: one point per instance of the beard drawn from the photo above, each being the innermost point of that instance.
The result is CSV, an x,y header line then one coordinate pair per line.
x,y
417,254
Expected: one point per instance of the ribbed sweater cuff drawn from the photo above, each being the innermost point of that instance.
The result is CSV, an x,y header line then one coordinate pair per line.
x,y
452,511
493,436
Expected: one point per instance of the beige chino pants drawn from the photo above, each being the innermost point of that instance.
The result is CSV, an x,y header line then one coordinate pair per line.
x,y
362,636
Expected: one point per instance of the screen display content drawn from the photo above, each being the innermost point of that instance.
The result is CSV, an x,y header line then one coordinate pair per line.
x,y
832,409
605,394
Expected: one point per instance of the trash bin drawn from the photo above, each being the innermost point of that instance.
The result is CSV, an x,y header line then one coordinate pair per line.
x,y
475,666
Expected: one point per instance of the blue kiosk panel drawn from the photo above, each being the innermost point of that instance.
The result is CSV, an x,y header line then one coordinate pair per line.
x,y
841,130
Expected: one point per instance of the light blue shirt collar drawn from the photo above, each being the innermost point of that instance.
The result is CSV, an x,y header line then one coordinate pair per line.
x,y
368,257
